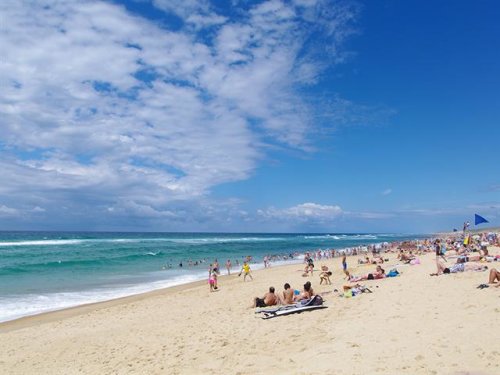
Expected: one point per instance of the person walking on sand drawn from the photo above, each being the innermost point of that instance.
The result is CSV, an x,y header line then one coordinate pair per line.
x,y
228,266
246,271
212,281
216,267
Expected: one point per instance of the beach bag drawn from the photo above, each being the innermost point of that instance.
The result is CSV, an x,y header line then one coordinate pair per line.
x,y
317,300
393,273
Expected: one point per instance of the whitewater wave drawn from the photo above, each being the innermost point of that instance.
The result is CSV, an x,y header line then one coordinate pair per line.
x,y
343,236
13,307
203,241
364,237
41,243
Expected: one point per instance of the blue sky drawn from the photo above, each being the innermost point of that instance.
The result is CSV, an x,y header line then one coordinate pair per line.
x,y
275,116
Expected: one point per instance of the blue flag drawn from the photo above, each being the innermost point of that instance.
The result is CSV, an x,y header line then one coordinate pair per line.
x,y
479,219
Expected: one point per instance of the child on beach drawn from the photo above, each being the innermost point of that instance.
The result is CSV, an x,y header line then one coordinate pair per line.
x,y
228,266
212,281
325,276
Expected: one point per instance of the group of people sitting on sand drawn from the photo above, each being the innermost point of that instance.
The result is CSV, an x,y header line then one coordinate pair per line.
x,y
377,259
473,258
287,297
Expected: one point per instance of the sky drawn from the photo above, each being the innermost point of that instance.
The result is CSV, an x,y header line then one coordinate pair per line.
x,y
249,116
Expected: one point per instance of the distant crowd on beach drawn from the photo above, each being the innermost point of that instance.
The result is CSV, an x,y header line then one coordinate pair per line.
x,y
189,263
455,253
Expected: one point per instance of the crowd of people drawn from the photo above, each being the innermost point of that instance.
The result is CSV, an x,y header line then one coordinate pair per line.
x,y
287,297
454,254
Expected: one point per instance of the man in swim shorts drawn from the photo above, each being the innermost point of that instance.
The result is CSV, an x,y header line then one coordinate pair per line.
x,y
269,299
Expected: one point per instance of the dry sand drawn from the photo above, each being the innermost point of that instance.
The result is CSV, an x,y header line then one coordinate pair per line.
x,y
412,324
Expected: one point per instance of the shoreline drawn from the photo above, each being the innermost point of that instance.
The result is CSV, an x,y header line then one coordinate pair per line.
x,y
65,311
45,283
61,313
52,315
255,267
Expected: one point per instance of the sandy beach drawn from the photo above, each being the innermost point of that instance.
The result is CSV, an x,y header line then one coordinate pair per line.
x,y
411,324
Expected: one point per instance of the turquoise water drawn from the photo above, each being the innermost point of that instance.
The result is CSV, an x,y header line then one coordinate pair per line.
x,y
44,271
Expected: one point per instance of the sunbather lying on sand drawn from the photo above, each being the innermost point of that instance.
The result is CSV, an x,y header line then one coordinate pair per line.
x,y
405,257
364,261
355,289
458,267
269,299
378,274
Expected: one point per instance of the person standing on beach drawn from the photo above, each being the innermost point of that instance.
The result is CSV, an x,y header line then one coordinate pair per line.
x,y
246,271
466,226
228,266
310,265
344,265
216,267
439,250
212,281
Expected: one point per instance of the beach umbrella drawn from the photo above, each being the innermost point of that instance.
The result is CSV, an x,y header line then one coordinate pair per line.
x,y
479,219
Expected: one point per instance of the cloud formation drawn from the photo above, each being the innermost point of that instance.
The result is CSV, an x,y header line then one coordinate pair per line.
x,y
105,110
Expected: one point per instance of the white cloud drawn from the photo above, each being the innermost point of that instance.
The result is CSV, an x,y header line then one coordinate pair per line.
x,y
8,211
387,192
305,212
371,215
100,107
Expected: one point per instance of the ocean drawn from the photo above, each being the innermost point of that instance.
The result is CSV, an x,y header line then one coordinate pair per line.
x,y
46,271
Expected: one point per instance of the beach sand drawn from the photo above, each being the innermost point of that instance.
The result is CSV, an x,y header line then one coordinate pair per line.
x,y
411,324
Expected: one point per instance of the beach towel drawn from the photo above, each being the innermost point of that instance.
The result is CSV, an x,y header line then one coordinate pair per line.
x,y
313,303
